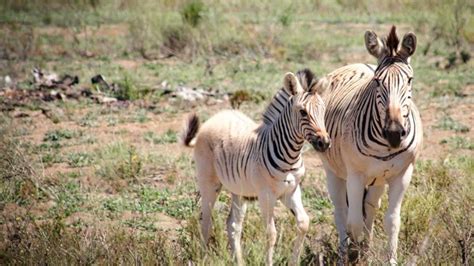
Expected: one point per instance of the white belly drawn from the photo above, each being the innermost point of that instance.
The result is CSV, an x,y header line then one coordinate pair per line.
x,y
257,179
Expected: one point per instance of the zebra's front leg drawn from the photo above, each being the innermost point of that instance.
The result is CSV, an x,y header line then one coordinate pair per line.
x,y
355,217
293,202
396,189
267,200
234,226
337,193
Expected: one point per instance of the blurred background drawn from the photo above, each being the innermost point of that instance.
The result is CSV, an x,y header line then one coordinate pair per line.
x,y
93,94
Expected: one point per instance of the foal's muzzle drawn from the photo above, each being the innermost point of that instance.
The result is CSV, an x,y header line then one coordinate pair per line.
x,y
319,143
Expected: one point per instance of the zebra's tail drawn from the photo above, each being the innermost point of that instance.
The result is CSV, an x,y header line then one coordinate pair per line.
x,y
191,128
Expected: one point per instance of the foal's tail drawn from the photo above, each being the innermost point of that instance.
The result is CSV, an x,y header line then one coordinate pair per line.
x,y
191,128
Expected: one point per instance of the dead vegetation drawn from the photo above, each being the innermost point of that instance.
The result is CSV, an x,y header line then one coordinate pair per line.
x,y
90,168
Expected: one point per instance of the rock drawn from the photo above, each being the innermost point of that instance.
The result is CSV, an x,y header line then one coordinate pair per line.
x,y
100,83
42,79
8,81
188,94
105,99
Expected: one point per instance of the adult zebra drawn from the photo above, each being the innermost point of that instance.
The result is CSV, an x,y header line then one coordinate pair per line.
x,y
376,134
262,161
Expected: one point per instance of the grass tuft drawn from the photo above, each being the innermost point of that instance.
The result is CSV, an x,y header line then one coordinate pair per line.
x,y
192,12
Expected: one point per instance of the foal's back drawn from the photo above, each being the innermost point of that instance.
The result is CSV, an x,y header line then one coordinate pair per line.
x,y
227,129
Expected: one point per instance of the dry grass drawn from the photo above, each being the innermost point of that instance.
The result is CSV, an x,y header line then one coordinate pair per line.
x,y
98,184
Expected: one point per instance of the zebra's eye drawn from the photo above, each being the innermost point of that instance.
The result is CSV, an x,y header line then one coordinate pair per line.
x,y
303,113
410,80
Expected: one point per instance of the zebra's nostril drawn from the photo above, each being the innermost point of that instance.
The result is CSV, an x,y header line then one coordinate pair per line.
x,y
403,132
320,144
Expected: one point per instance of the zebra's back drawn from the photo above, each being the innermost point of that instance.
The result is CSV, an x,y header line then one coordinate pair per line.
x,y
346,85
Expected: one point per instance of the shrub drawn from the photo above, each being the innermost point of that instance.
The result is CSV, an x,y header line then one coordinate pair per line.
x,y
175,39
128,89
192,12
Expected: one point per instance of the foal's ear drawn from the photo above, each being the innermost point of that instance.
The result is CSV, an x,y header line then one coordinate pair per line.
x,y
374,45
291,84
408,45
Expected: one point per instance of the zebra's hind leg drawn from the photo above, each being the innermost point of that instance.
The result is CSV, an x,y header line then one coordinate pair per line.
x,y
234,226
371,205
337,193
267,200
294,203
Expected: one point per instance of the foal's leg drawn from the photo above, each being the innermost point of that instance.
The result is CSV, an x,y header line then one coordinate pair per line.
x,y
396,189
267,201
234,226
209,188
293,202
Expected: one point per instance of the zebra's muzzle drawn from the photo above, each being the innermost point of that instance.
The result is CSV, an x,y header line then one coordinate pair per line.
x,y
320,144
394,134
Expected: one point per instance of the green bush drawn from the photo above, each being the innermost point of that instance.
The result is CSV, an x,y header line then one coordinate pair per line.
x,y
192,12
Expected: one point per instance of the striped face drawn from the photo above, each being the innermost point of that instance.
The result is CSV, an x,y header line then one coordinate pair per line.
x,y
393,78
307,112
394,93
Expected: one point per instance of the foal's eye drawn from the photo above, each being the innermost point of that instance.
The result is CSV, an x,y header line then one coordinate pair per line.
x,y
303,113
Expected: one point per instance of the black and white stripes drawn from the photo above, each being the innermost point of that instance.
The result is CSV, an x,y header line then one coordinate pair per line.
x,y
376,134
259,161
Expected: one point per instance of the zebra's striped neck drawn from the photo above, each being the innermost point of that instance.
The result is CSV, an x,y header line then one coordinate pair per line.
x,y
281,143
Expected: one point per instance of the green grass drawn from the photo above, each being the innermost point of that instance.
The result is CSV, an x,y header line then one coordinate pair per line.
x,y
458,142
170,136
79,159
119,161
448,123
78,197
58,135
69,198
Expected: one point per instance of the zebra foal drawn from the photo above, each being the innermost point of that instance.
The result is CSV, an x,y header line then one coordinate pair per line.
x,y
262,161
376,134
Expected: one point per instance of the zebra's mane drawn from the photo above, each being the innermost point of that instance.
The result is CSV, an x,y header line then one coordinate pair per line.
x,y
305,77
392,42
275,107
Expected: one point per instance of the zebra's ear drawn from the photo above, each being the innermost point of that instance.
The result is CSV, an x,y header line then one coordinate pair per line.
x,y
374,45
291,84
408,45
320,87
